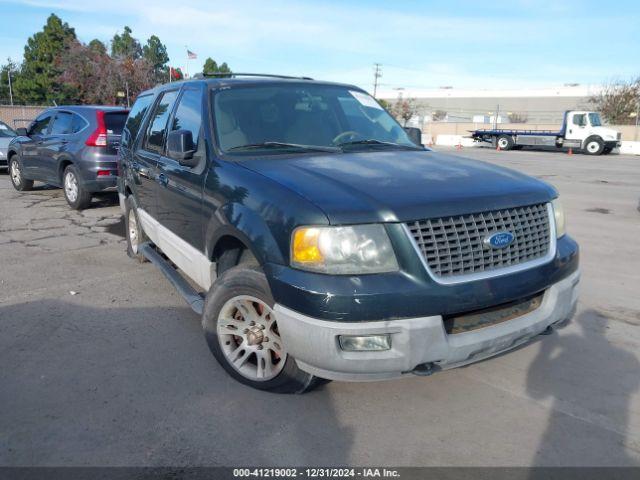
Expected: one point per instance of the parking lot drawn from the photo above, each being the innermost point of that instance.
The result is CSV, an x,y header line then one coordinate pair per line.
x,y
103,363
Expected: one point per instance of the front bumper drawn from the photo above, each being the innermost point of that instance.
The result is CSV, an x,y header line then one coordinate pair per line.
x,y
415,341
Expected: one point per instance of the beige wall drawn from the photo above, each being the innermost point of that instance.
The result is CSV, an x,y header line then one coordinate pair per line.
x,y
447,128
8,114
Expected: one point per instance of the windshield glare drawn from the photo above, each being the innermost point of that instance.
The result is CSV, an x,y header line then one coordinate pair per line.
x,y
594,118
304,115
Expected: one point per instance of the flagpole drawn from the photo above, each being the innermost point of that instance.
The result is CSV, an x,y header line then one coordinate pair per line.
x,y
186,67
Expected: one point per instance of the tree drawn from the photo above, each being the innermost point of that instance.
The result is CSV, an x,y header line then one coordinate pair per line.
x,y
155,52
125,46
210,66
518,118
97,78
97,46
439,115
618,101
38,79
384,104
404,109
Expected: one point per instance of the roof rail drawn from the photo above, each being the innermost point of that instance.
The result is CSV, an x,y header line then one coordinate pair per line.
x,y
268,75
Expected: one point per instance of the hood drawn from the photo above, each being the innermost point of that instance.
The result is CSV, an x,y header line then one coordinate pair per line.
x,y
606,133
400,186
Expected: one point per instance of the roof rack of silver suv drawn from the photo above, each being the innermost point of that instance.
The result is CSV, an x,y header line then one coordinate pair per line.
x,y
234,74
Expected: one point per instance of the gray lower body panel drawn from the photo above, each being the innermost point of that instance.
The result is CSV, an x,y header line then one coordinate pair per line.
x,y
415,341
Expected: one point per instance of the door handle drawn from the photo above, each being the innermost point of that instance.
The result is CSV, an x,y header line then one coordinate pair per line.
x,y
163,180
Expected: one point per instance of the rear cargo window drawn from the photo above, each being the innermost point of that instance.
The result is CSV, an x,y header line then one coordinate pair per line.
x,y
114,121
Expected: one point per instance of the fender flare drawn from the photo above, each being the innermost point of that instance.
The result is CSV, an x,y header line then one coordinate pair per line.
x,y
248,227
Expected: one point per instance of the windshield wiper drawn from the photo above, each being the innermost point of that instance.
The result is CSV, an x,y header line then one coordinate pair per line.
x,y
256,146
373,141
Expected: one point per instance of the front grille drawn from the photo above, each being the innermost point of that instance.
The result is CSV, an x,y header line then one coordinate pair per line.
x,y
454,246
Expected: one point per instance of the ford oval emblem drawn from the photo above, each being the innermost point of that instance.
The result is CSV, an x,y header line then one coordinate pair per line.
x,y
499,239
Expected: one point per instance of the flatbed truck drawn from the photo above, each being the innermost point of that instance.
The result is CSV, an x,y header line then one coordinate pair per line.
x,y
581,130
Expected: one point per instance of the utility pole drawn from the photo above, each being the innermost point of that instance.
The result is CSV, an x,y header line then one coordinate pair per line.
x,y
495,120
377,73
10,89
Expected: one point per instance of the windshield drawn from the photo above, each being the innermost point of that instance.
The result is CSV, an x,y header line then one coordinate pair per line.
x,y
285,118
5,131
594,118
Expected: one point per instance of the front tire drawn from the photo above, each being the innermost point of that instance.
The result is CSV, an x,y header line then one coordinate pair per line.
x,y
241,330
75,193
607,150
593,146
17,176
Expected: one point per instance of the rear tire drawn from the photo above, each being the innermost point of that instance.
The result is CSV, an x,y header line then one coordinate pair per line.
x,y
17,176
133,229
593,146
75,193
505,142
242,333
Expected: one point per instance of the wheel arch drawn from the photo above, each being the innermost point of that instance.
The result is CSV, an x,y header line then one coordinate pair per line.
x,y
63,163
590,138
237,226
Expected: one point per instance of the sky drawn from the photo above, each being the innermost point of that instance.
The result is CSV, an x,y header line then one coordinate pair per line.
x,y
420,44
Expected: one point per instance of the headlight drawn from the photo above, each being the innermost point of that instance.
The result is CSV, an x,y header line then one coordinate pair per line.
x,y
558,213
358,249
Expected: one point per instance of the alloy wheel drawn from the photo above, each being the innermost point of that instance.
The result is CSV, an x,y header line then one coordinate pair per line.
x,y
16,175
132,225
249,338
71,186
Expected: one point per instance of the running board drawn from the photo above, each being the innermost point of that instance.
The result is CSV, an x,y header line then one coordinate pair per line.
x,y
193,298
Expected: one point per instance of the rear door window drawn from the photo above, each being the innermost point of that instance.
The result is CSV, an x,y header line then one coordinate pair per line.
x,y
134,120
154,140
62,124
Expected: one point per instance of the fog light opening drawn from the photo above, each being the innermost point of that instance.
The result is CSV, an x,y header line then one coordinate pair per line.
x,y
365,343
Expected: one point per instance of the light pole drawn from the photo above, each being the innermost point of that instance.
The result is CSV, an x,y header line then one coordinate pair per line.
x,y
11,90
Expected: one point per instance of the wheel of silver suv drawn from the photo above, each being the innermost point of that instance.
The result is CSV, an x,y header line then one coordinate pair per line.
x,y
71,186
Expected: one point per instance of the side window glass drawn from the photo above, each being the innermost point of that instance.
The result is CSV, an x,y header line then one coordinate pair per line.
x,y
39,126
62,124
78,123
188,116
154,140
579,120
134,120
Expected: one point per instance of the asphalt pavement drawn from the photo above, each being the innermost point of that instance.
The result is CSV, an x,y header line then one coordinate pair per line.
x,y
102,363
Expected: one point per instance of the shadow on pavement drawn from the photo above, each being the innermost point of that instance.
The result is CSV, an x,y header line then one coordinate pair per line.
x,y
137,386
588,407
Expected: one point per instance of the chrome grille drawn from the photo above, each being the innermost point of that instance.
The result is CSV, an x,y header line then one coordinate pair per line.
x,y
454,246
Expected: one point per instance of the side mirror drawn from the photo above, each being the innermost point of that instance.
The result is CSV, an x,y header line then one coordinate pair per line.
x,y
415,134
21,131
180,147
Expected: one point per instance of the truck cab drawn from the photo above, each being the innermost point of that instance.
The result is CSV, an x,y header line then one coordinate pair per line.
x,y
584,129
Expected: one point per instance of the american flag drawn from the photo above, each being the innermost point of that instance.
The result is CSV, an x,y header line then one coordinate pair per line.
x,y
191,55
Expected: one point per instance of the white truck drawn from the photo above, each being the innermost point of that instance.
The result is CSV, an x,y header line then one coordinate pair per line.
x,y
580,130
